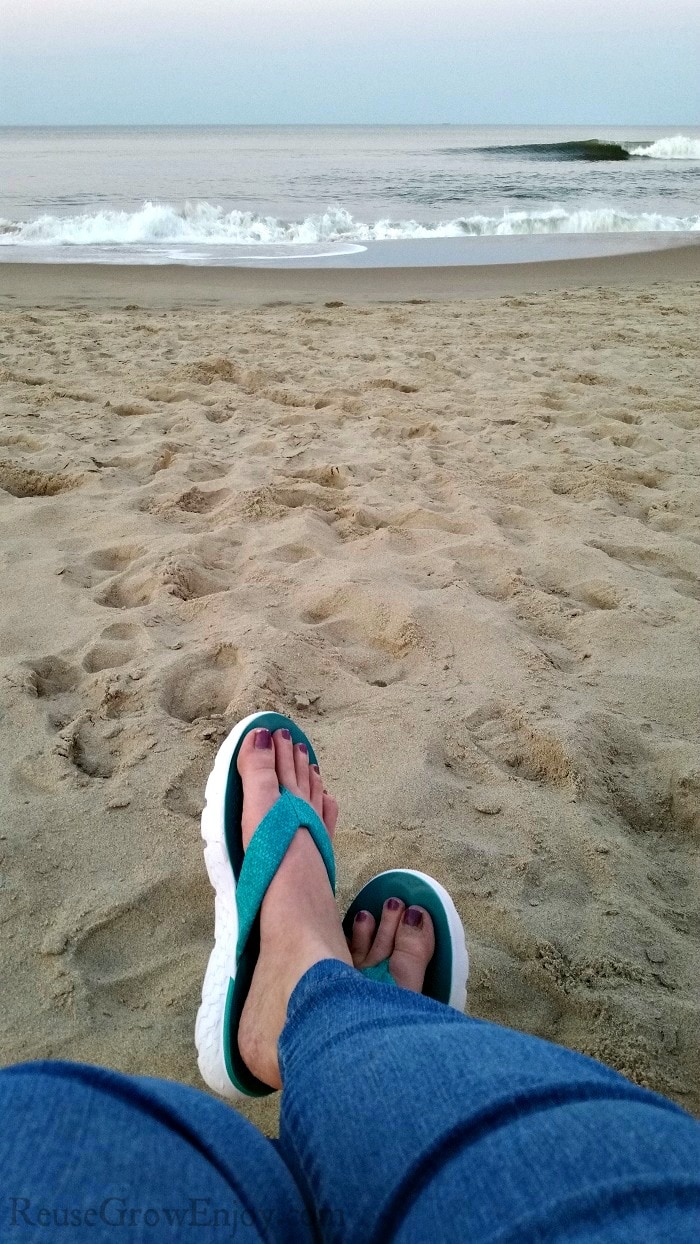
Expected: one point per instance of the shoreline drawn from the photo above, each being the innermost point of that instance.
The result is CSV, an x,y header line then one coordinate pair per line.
x,y
101,285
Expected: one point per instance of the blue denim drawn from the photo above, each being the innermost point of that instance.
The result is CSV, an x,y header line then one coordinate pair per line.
x,y
401,1120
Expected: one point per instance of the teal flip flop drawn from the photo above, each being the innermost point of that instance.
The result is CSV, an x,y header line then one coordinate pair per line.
x,y
446,974
240,882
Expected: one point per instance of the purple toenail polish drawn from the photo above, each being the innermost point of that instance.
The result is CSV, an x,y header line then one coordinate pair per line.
x,y
316,769
286,734
393,904
303,748
263,739
413,916
361,917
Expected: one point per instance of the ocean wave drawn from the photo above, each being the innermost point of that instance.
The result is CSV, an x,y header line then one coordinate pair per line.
x,y
203,224
577,149
677,148
595,149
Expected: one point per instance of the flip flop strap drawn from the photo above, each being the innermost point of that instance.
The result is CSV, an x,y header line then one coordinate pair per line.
x,y
380,972
267,849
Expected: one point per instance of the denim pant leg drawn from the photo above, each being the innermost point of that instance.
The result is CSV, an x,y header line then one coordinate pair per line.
x,y
88,1154
403,1120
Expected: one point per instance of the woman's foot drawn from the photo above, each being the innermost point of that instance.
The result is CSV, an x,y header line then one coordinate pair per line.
x,y
405,937
299,921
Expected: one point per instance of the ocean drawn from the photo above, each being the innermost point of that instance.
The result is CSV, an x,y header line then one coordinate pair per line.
x,y
342,194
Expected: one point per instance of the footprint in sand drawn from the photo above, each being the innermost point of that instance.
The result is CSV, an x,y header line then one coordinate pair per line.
x,y
50,676
118,644
657,562
130,410
202,686
116,557
195,501
397,385
377,640
529,750
129,592
218,414
185,578
292,553
185,795
135,953
24,482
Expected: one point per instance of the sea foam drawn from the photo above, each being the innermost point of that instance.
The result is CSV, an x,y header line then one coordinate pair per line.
x,y
677,148
205,224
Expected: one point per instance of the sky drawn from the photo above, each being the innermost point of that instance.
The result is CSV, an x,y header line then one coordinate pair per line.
x,y
274,62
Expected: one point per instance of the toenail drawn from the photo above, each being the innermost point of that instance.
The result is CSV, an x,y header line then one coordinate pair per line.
x,y
361,916
286,734
413,916
316,769
393,904
263,739
303,748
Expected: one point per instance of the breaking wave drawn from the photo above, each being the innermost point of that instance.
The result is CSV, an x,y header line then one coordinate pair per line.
x,y
678,148
206,225
597,149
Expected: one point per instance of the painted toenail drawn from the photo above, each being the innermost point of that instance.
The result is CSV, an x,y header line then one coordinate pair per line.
x,y
413,916
263,739
303,748
286,734
393,904
361,917
316,769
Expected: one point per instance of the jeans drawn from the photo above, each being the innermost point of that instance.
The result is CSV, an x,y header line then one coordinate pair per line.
x,y
401,1120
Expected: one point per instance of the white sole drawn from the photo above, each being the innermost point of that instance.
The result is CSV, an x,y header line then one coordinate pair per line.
x,y
209,1026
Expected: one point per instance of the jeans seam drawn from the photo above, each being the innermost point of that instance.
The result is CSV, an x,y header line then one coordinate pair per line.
x,y
304,1161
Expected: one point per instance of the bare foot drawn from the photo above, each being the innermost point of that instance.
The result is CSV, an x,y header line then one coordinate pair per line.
x,y
405,937
299,921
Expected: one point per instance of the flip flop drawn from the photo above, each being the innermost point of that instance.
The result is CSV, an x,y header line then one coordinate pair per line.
x,y
240,881
446,974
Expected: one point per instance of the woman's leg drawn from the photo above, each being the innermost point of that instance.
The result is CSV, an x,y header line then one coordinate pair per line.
x,y
402,1119
85,1151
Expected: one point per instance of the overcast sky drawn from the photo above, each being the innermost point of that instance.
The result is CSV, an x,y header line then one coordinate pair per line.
x,y
632,62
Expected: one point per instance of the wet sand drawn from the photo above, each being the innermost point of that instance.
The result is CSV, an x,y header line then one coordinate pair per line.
x,y
159,286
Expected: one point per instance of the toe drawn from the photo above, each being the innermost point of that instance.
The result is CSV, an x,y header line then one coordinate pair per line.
x,y
360,943
284,758
256,765
316,789
301,766
256,754
414,947
385,936
330,813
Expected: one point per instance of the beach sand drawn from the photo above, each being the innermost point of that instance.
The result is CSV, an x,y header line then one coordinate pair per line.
x,y
458,541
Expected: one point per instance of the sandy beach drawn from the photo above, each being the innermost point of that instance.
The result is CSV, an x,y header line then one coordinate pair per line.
x,y
448,520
